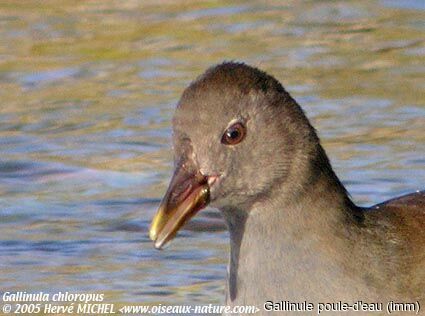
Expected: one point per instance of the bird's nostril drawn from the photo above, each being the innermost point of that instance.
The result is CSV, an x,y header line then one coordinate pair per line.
x,y
181,192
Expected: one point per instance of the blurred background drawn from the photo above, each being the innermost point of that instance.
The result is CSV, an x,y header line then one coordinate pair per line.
x,y
87,91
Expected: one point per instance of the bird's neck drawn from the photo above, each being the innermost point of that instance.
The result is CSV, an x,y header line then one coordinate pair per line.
x,y
287,236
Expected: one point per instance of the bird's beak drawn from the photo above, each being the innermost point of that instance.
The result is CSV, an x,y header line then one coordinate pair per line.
x,y
187,193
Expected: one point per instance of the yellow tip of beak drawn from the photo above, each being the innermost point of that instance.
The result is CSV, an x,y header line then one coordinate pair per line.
x,y
153,230
168,221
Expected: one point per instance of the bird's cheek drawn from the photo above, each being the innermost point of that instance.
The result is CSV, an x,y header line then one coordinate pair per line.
x,y
224,194
218,192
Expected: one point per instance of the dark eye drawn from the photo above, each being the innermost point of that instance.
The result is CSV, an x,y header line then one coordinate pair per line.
x,y
234,134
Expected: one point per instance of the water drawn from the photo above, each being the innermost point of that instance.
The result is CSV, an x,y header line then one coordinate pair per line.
x,y
87,92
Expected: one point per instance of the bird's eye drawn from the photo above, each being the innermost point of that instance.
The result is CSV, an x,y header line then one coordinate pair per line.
x,y
234,134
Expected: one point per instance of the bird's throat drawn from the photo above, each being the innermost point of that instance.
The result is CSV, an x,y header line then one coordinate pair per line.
x,y
292,239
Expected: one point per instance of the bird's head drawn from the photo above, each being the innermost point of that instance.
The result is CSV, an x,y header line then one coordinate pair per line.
x,y
236,134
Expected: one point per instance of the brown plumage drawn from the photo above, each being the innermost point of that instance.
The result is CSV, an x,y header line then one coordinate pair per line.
x,y
295,234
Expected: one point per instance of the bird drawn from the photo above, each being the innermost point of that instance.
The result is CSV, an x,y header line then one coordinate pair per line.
x,y
244,146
